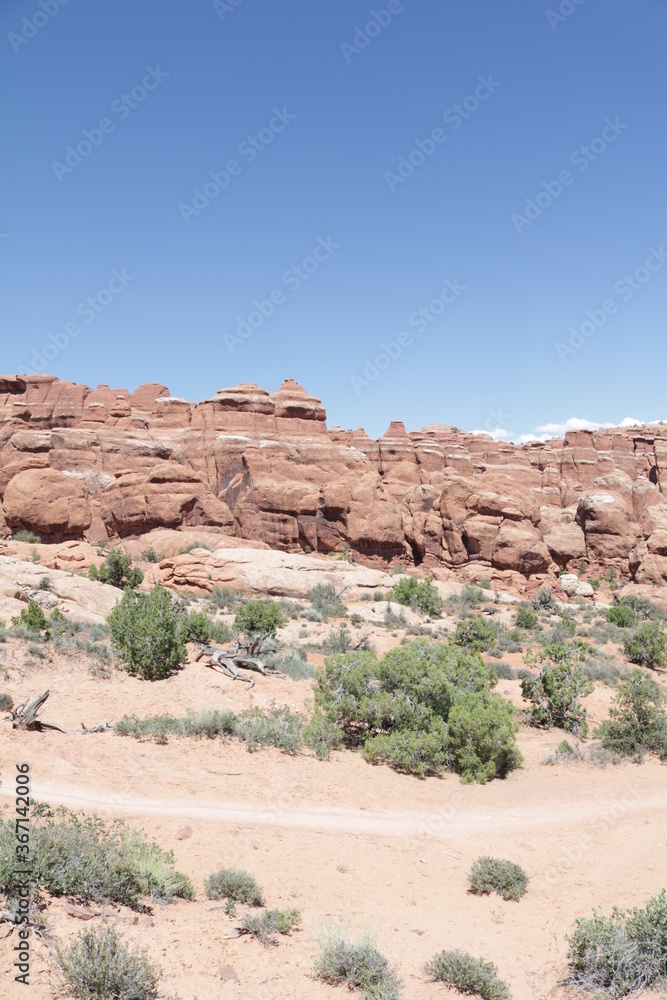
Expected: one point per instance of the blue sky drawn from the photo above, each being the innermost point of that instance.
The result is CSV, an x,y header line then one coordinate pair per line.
x,y
469,193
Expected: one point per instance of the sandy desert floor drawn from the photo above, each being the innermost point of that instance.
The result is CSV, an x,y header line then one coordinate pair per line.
x,y
342,841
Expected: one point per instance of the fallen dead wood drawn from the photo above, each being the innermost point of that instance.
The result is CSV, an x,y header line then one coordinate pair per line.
x,y
232,662
24,717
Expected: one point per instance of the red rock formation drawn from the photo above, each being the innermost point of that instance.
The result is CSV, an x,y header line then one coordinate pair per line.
x,y
105,463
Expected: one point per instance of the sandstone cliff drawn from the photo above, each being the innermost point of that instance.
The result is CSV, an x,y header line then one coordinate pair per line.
x,y
106,464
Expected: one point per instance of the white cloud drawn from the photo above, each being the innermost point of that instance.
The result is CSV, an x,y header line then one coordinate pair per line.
x,y
544,432
498,434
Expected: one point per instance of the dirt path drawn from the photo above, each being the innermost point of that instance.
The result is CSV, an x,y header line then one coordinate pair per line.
x,y
348,821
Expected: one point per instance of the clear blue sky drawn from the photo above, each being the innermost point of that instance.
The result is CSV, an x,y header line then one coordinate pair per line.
x,y
350,105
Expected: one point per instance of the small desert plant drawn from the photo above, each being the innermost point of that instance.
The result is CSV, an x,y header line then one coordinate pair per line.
x,y
88,859
150,555
235,884
646,645
467,975
292,662
622,615
44,584
504,671
275,727
543,599
33,620
326,602
265,926
637,722
199,544
358,965
468,597
26,536
599,666
642,607
623,953
208,722
117,570
225,599
422,595
338,641
99,965
525,617
506,878
145,634
6,702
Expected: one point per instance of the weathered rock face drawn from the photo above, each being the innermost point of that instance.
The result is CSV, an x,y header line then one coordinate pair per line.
x,y
106,464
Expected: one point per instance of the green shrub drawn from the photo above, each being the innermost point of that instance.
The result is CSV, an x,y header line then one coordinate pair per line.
x,y
235,884
99,965
475,634
265,926
44,584
326,602
256,618
623,953
88,859
422,707
322,735
33,620
145,634
198,627
421,595
482,737
358,965
556,692
151,555
467,975
642,607
6,702
413,752
525,617
622,615
504,671
117,571
637,722
26,536
646,645
506,878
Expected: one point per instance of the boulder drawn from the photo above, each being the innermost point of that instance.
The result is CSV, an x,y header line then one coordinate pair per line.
x,y
48,502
